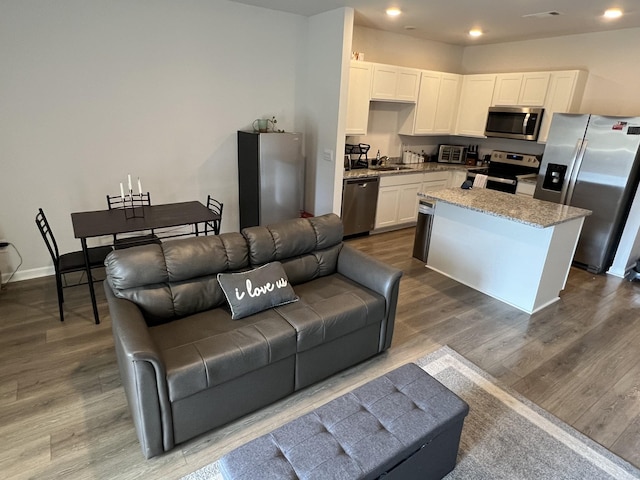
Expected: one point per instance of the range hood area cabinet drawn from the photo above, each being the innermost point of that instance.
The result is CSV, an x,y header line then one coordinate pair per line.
x,y
395,84
435,110
358,98
561,93
521,89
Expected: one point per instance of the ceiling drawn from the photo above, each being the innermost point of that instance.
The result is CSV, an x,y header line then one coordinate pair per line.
x,y
449,21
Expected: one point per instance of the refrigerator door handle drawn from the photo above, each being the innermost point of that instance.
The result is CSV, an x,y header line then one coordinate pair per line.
x,y
582,148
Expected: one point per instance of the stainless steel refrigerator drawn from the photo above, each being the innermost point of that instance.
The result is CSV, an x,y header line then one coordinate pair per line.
x,y
270,177
592,162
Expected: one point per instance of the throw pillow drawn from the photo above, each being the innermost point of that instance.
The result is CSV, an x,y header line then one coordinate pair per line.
x,y
256,290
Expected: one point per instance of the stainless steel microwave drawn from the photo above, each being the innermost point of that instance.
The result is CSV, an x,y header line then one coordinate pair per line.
x,y
521,123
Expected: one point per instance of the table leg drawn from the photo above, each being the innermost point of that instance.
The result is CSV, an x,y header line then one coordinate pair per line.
x,y
196,228
92,292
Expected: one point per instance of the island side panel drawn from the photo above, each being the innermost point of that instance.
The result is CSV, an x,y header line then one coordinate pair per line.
x,y
561,251
497,256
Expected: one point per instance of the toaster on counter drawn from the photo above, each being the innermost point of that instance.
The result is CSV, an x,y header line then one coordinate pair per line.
x,y
452,154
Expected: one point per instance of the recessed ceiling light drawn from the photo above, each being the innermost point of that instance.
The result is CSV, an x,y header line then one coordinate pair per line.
x,y
613,13
393,11
476,32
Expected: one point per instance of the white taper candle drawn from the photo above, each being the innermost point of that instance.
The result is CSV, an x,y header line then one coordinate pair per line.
x,y
139,186
121,190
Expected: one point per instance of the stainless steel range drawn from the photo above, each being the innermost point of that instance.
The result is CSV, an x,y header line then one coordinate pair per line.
x,y
505,168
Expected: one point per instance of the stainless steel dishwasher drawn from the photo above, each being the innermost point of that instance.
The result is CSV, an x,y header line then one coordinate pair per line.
x,y
359,198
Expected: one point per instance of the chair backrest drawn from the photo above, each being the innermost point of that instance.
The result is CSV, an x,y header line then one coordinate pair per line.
x,y
117,201
216,207
47,235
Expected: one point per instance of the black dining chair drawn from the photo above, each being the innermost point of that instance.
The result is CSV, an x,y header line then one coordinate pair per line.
x,y
68,262
216,207
118,202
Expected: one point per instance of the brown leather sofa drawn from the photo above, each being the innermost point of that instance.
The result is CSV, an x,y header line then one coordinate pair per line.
x,y
187,367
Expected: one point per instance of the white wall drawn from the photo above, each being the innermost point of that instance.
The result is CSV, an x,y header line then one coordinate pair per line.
x,y
395,49
612,87
91,91
328,70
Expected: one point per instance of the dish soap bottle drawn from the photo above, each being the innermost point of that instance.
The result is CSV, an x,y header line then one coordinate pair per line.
x,y
378,157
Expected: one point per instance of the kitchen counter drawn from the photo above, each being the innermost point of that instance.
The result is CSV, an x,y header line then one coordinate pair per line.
x,y
530,211
412,168
515,249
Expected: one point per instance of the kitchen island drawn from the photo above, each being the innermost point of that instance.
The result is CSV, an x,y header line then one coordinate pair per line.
x,y
515,249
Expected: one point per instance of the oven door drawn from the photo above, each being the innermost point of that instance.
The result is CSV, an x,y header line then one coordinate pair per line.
x,y
502,184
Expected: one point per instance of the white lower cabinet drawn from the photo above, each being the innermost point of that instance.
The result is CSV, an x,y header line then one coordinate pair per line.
x,y
387,207
525,189
457,178
408,203
398,197
397,200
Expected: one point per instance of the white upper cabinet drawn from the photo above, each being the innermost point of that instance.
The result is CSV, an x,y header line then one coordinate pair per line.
x,y
394,84
534,89
523,89
507,89
434,112
564,96
475,100
447,104
358,98
438,103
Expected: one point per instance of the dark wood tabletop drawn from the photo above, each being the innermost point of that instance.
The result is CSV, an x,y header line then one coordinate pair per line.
x,y
107,222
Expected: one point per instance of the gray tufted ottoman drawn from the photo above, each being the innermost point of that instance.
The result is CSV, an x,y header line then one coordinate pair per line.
x,y
402,425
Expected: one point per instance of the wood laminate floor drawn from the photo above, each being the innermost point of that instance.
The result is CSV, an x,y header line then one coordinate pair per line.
x,y
63,413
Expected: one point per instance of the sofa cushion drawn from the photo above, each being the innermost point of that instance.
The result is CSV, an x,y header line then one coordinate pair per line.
x,y
209,348
176,278
331,307
256,290
307,247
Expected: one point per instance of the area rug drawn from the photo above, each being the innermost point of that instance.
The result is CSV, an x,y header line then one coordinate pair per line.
x,y
505,436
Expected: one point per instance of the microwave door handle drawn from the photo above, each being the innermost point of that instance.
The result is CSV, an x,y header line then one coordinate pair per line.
x,y
525,122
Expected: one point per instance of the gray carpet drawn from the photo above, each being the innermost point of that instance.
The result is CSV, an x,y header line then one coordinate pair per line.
x,y
505,436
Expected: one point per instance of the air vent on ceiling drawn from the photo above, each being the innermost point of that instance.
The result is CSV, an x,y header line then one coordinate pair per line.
x,y
543,14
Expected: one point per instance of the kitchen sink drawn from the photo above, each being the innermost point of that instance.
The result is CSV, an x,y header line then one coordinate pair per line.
x,y
390,168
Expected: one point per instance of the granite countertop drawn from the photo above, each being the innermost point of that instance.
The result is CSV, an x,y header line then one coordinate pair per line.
x,y
522,209
412,168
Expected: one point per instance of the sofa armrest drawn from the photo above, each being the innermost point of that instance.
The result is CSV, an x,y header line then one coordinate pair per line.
x,y
143,375
377,276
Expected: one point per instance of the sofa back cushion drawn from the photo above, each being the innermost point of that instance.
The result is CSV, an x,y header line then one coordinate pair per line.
x,y
308,248
176,278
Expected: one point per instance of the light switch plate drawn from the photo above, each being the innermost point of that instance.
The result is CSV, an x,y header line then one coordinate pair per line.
x,y
328,155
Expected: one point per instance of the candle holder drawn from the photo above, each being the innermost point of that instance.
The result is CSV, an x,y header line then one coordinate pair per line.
x,y
134,206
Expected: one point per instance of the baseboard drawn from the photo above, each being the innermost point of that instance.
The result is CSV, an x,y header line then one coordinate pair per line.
x,y
28,274
626,273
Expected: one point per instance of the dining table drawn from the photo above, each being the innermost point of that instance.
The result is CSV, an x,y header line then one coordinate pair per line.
x,y
100,223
